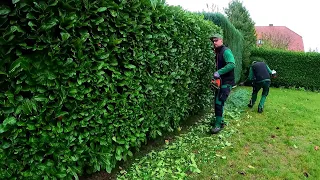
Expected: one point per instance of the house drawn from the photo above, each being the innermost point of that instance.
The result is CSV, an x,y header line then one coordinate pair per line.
x,y
279,37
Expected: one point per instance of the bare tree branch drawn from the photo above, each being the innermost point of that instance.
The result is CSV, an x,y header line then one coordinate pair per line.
x,y
213,8
275,40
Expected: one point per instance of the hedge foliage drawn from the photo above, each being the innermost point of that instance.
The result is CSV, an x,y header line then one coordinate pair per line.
x,y
232,38
239,16
84,82
294,69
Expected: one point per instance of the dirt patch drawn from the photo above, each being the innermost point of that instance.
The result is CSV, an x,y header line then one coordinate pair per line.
x,y
99,176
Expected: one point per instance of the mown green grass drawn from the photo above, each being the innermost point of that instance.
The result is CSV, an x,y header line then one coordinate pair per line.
x,y
278,144
281,143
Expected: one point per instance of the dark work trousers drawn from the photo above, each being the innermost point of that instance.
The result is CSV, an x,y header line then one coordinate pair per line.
x,y
265,91
221,96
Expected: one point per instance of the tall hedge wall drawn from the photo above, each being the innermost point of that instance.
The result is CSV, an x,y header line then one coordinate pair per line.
x,y
294,69
232,39
83,82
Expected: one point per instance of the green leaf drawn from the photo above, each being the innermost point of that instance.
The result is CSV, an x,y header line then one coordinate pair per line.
x,y
31,127
97,167
8,110
74,158
110,107
130,66
113,13
62,113
42,167
102,103
69,61
195,169
11,48
114,62
117,41
18,110
4,10
154,4
6,145
73,91
130,153
50,24
2,128
84,35
40,98
51,97
75,175
159,133
64,36
51,76
54,3
118,157
61,175
21,123
59,128
10,121
104,56
27,107
102,9
10,96
99,20
119,150
31,24
121,141
1,72
14,65
33,105
114,139
30,16
128,73
15,28
15,1
11,38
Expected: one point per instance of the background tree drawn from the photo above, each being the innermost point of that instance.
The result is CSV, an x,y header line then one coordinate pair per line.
x,y
313,50
239,16
213,8
275,40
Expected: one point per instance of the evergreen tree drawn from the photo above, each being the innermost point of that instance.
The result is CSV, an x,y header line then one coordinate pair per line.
x,y
239,16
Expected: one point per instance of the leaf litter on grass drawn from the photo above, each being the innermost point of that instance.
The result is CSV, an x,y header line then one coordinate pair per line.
x,y
179,158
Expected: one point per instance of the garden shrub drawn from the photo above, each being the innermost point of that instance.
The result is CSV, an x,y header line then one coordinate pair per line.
x,y
294,69
84,82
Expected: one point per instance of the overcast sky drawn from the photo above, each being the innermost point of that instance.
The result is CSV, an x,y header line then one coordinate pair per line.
x,y
301,17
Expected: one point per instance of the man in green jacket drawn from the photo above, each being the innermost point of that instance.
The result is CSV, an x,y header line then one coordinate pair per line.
x,y
260,76
225,64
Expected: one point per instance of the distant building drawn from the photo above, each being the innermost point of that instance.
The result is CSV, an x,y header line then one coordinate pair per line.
x,y
279,37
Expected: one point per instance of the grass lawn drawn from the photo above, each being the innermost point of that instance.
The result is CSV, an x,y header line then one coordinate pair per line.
x,y
281,143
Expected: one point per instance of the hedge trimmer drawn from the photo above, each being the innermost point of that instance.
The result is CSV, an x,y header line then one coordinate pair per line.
x,y
273,73
215,83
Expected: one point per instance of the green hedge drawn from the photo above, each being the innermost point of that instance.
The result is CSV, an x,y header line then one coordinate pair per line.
x,y
84,82
232,38
294,69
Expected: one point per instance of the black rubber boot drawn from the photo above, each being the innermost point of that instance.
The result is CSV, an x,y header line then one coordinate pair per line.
x,y
215,130
223,124
250,105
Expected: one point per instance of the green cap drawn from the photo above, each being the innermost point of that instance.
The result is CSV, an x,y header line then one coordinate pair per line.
x,y
219,36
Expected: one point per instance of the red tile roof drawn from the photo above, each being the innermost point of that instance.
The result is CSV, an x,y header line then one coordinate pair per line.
x,y
296,42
